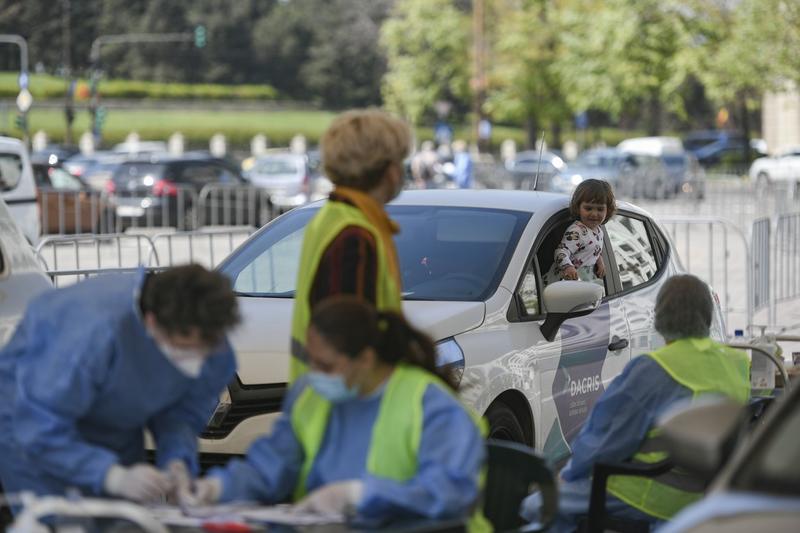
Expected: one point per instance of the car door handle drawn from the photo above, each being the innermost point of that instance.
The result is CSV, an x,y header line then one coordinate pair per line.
x,y
617,344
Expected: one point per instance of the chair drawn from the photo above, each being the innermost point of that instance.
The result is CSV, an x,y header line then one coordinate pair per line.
x,y
513,471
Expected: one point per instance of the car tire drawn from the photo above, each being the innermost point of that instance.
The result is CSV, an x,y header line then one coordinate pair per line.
x,y
503,423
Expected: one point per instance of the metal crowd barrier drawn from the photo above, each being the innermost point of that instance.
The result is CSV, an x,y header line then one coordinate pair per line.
x,y
786,259
233,205
64,212
207,247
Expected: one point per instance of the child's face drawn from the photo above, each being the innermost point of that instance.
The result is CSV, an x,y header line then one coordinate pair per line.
x,y
592,215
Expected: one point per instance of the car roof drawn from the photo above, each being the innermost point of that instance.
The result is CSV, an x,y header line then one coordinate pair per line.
x,y
513,200
169,158
11,143
651,145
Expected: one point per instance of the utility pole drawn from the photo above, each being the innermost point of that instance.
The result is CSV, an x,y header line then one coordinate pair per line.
x,y
198,36
69,111
24,98
478,65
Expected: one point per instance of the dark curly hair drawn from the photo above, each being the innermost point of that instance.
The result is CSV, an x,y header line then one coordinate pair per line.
x,y
594,192
350,325
190,296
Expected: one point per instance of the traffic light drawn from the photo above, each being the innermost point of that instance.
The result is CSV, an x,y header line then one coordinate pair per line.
x,y
21,122
200,36
99,118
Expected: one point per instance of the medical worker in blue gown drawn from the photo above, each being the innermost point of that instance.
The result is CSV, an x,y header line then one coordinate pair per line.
x,y
93,365
371,429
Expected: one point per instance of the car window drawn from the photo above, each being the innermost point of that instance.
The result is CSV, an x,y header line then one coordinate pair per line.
x,y
528,292
10,171
61,179
445,253
201,174
144,173
633,252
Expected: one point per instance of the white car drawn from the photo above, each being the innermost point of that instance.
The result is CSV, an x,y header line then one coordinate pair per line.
x,y
21,277
533,362
17,187
285,177
783,167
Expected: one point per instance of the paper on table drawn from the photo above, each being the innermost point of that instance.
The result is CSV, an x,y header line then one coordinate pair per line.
x,y
289,515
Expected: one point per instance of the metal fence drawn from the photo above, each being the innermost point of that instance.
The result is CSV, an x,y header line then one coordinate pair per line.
x,y
68,259
169,206
786,258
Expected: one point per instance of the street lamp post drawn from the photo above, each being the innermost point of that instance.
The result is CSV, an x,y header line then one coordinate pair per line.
x,y
24,98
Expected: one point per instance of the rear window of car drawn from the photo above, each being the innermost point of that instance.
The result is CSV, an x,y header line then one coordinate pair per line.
x,y
446,253
10,171
140,172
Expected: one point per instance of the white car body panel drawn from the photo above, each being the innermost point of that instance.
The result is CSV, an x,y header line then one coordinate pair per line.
x,y
781,167
559,381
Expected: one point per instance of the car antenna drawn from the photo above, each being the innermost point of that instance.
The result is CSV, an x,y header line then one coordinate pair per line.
x,y
539,164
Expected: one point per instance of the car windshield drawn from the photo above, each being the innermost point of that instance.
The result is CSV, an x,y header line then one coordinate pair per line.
x,y
276,166
446,253
144,172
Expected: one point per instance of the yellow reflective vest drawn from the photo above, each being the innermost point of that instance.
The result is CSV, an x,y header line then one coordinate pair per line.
x,y
396,434
704,367
332,218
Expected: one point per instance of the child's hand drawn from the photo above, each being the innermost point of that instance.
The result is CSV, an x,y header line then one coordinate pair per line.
x,y
600,268
569,273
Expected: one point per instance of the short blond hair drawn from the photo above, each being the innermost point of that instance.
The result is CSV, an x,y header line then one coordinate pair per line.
x,y
360,144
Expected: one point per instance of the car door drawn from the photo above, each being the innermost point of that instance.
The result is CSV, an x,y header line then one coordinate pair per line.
x,y
638,259
587,353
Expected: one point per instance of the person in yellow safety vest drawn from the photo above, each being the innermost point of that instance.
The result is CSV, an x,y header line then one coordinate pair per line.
x,y
621,424
348,246
373,430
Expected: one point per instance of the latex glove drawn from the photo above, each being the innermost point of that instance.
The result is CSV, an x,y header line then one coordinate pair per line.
x,y
180,478
142,483
206,491
336,498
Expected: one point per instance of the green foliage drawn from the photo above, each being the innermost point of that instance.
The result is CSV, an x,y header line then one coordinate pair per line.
x,y
427,47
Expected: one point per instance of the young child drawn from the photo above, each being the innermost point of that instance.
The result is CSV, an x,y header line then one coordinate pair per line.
x,y
579,254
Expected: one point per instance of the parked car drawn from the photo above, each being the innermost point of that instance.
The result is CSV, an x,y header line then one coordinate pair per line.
x,y
607,164
66,203
756,479
286,177
781,169
54,155
95,170
164,191
663,169
472,264
21,276
18,188
525,166
714,147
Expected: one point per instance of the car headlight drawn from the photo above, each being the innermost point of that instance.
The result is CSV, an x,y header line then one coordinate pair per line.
x,y
449,355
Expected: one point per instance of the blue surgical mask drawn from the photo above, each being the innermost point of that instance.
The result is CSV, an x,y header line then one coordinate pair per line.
x,y
331,386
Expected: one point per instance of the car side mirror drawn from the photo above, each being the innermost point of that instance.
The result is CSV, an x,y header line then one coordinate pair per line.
x,y
701,437
568,299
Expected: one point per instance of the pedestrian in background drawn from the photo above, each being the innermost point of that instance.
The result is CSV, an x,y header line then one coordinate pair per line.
x,y
93,365
463,165
621,424
374,428
348,247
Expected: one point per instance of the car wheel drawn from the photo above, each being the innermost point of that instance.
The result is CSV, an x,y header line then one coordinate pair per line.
x,y
503,423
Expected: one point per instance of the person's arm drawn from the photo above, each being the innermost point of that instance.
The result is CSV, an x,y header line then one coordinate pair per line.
x,y
176,428
622,417
566,249
348,266
271,468
451,455
58,375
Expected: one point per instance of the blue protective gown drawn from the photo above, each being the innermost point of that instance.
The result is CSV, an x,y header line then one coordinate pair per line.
x,y
80,381
614,431
451,455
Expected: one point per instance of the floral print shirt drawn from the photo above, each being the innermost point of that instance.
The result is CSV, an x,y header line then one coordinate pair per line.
x,y
579,247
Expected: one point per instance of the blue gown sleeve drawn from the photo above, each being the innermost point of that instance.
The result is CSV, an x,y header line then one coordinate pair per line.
x,y
451,455
270,470
176,428
622,417
58,376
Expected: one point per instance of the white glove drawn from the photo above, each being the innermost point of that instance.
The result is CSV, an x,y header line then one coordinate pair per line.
x,y
206,491
336,498
180,479
142,483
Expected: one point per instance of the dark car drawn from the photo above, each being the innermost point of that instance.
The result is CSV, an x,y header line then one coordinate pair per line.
x,y
715,147
168,191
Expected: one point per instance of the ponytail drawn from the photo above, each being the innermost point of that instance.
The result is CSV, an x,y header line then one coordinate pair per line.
x,y
350,325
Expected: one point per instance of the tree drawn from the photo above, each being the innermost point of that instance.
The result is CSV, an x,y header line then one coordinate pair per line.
x,y
524,85
633,51
427,50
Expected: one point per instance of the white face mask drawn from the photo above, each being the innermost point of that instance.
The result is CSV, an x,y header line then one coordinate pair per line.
x,y
189,361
